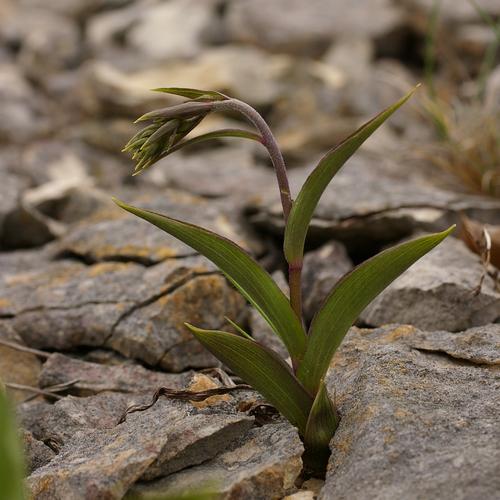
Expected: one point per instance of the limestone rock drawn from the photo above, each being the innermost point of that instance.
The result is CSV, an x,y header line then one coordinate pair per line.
x,y
322,269
438,292
36,453
263,463
113,234
16,366
135,310
413,424
308,28
95,377
105,462
371,201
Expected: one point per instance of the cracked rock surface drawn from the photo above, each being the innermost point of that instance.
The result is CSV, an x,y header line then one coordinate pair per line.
x,y
93,300
419,414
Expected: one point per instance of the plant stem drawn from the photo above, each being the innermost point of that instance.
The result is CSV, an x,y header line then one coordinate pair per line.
x,y
269,142
295,284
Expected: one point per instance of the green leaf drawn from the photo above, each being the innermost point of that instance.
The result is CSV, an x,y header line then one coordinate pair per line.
x,y
192,93
253,282
262,369
314,186
11,457
242,134
348,299
321,426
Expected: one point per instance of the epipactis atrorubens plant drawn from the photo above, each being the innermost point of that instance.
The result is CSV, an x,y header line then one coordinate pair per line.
x,y
297,391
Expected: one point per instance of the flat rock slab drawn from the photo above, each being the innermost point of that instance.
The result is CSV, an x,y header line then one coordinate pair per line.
x,y
415,424
92,378
370,202
114,234
104,463
439,292
264,463
138,311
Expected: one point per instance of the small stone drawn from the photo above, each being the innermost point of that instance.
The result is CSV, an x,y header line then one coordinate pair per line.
x,y
438,292
16,366
37,454
263,463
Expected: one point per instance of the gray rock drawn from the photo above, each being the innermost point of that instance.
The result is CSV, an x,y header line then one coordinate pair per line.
x,y
135,310
308,28
36,453
73,8
373,200
22,109
16,366
264,463
175,29
104,463
438,292
48,42
322,269
217,173
113,234
414,424
260,329
94,377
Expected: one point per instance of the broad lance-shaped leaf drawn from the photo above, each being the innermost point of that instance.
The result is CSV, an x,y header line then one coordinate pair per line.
x,y
11,458
314,186
348,299
321,425
262,369
254,283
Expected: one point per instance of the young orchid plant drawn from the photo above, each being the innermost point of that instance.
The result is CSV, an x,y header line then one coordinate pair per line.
x,y
297,391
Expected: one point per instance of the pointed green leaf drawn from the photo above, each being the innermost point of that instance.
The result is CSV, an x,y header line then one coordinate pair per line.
x,y
11,458
348,299
253,282
192,93
262,369
321,426
314,186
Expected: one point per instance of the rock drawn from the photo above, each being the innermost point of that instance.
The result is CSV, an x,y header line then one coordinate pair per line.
x,y
264,463
243,72
104,463
413,424
11,190
137,311
438,292
93,378
175,29
23,110
372,201
48,42
37,454
260,329
113,234
322,269
16,366
221,172
75,8
307,28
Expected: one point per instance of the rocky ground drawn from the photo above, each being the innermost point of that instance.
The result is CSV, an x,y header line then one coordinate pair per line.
x,y
92,300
